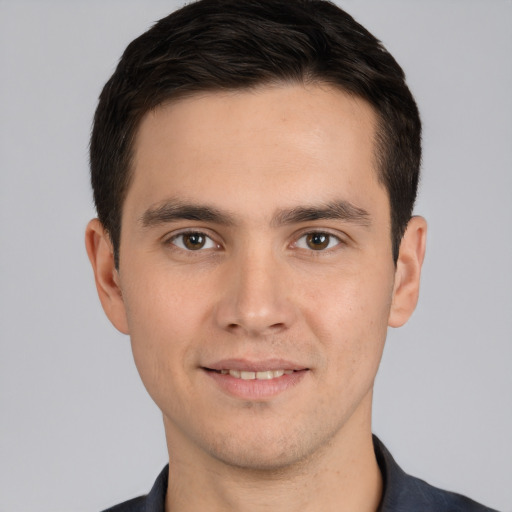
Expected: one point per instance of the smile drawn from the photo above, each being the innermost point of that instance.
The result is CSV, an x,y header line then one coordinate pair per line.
x,y
258,381
255,379
260,375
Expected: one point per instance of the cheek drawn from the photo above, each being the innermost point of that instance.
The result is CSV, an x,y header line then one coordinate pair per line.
x,y
159,303
350,318
163,318
349,301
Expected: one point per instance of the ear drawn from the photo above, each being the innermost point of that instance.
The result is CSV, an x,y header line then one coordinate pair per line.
x,y
408,269
101,255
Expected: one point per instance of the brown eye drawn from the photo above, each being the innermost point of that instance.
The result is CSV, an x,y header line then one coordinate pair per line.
x,y
318,241
193,241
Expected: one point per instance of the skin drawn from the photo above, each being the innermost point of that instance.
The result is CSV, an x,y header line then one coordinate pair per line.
x,y
257,291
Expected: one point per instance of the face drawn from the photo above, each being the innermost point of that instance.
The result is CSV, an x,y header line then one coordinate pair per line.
x,y
256,277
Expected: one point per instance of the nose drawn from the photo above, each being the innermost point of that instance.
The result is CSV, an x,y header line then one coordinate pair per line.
x,y
256,295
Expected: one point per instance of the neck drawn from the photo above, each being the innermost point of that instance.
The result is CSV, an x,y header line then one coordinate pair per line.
x,y
343,477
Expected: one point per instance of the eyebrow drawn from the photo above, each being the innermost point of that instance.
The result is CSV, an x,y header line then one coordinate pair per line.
x,y
336,210
174,210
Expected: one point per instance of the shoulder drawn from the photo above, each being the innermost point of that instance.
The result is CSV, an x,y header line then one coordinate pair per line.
x,y
416,492
153,502
405,493
133,505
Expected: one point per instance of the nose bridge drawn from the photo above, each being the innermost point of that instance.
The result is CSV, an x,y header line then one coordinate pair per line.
x,y
256,299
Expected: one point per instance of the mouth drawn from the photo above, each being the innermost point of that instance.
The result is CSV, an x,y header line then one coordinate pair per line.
x,y
253,375
260,380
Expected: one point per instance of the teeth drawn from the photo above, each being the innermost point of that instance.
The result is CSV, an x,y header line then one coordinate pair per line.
x,y
265,375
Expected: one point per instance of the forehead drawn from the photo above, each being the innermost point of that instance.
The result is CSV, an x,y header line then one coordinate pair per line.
x,y
282,143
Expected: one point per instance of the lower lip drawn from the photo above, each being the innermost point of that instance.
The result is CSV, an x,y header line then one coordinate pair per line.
x,y
255,389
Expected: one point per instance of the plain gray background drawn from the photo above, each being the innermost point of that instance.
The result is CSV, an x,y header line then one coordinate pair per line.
x,y
77,430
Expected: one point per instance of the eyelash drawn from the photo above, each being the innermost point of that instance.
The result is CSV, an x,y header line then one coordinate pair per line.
x,y
330,237
212,244
209,241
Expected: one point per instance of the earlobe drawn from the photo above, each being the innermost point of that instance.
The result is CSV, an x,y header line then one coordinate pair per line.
x,y
101,255
408,270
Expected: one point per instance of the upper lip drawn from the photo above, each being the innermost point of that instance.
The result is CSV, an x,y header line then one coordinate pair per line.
x,y
254,366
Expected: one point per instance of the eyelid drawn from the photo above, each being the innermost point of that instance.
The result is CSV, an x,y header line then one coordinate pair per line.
x,y
171,237
337,236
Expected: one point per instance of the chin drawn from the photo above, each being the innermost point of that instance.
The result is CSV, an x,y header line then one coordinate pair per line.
x,y
266,452
253,459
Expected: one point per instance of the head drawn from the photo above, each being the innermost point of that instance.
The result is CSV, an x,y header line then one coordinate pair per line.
x,y
254,165
229,45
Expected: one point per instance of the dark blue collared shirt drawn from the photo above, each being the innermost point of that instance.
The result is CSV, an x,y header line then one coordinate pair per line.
x,y
402,492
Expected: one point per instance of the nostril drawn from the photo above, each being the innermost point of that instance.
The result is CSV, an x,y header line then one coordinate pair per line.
x,y
253,316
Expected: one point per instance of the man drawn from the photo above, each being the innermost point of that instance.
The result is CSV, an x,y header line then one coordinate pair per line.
x,y
254,166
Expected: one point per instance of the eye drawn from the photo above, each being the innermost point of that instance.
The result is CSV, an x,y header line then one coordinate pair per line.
x,y
193,241
317,241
